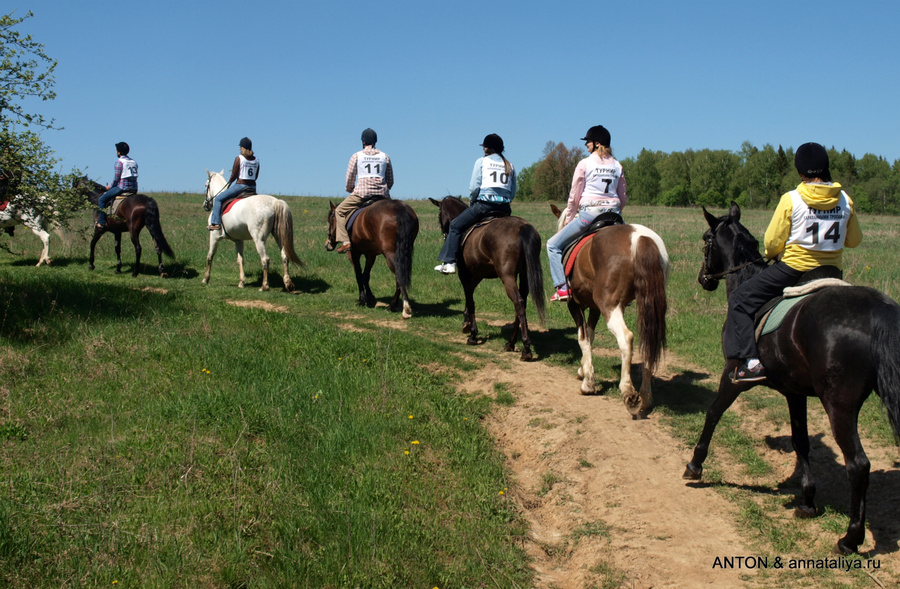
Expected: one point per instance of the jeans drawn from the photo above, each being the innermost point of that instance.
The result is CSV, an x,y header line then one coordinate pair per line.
x,y
472,215
557,244
216,216
738,339
104,200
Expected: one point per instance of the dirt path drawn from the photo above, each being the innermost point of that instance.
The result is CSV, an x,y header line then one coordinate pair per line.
x,y
603,494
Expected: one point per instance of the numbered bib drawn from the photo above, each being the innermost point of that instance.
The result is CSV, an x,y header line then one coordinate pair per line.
x,y
371,165
601,179
249,169
816,230
129,167
494,175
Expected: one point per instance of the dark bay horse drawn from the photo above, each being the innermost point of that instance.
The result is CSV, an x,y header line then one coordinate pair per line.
x,y
508,248
387,227
621,264
134,213
837,344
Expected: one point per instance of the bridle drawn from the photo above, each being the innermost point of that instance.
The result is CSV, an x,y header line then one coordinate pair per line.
x,y
207,204
705,276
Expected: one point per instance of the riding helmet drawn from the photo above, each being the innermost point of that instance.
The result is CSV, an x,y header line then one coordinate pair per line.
x,y
122,148
493,142
597,134
369,137
246,143
811,161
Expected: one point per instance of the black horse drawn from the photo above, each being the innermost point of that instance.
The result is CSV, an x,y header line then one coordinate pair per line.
x,y
133,214
837,344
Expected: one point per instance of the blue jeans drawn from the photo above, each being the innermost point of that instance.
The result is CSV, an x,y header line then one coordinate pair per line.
x,y
557,244
216,216
104,200
472,215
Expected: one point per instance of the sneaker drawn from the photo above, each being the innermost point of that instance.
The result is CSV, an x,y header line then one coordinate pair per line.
x,y
345,247
446,268
745,374
213,227
561,294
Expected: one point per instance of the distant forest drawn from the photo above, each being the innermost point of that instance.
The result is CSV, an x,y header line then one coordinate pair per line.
x,y
754,177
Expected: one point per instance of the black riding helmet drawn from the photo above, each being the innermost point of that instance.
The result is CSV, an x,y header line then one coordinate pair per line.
x,y
369,137
597,134
122,148
493,142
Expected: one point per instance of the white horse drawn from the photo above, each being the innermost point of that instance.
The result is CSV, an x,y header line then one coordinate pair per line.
x,y
254,217
16,213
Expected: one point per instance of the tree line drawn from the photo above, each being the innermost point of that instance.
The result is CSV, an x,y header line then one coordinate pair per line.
x,y
753,177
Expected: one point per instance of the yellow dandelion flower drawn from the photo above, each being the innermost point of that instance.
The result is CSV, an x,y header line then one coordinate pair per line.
x,y
415,442
410,416
500,493
406,452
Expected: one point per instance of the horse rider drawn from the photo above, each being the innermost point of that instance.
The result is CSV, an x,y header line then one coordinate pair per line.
x,y
370,177
125,179
244,173
491,189
811,226
598,186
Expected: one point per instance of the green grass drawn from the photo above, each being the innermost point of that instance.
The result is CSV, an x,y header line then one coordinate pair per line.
x,y
155,434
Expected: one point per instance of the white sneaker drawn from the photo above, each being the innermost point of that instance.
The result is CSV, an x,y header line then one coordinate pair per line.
x,y
446,268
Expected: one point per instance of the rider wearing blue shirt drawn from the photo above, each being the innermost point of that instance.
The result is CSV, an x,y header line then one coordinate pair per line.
x,y
491,189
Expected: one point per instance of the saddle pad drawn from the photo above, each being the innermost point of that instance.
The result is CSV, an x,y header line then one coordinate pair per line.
x,y
481,223
772,319
114,205
3,205
231,203
355,214
570,254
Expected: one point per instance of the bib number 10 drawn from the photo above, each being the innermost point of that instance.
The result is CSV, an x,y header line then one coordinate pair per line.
x,y
504,177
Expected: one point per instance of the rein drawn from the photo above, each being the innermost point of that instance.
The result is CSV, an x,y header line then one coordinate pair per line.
x,y
719,275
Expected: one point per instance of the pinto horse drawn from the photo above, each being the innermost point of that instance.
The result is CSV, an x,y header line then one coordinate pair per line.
x,y
16,212
508,248
253,217
621,264
837,344
386,227
134,212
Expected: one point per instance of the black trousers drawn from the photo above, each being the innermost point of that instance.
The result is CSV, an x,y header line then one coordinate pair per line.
x,y
738,340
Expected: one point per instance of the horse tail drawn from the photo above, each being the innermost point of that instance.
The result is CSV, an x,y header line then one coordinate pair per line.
x,y
650,276
151,220
886,351
530,240
284,229
407,230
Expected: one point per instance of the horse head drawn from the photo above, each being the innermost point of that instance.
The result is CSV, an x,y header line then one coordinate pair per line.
x,y
728,247
215,183
88,188
450,208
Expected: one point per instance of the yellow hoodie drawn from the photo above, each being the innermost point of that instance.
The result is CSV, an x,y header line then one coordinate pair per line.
x,y
823,197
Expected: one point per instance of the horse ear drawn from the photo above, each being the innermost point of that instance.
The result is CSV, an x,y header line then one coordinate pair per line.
x,y
332,205
710,219
436,203
735,212
556,212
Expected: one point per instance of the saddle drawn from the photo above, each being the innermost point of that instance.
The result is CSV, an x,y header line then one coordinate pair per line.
x,y
117,202
492,216
772,314
232,200
571,251
356,213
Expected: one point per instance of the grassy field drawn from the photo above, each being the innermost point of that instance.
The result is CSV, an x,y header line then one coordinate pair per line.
x,y
161,433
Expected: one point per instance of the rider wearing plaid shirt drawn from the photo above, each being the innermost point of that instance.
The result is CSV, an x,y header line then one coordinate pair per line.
x,y
365,183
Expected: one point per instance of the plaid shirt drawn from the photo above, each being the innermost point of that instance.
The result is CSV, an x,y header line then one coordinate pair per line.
x,y
123,183
367,187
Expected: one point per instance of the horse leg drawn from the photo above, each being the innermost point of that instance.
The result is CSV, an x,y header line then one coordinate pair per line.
x,y
400,292
365,292
97,233
162,271
264,260
470,325
616,324
136,240
288,283
728,392
844,428
118,253
520,323
239,249
213,246
586,331
42,234
800,442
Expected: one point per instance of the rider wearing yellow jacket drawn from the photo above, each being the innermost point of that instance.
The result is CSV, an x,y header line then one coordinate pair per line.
x,y
810,227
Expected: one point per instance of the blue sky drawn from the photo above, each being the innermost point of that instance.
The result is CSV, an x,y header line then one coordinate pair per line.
x,y
183,81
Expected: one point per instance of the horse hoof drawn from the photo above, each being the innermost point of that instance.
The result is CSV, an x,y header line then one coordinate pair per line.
x,y
844,547
406,314
90,266
640,415
692,473
263,289
804,512
289,286
360,303
467,328
510,348
472,341
526,357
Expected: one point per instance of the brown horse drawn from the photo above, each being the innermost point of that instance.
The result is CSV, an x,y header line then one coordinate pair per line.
x,y
508,248
134,213
621,264
386,227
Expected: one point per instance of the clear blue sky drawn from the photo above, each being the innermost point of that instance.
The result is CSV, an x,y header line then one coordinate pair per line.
x,y
182,81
